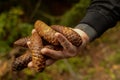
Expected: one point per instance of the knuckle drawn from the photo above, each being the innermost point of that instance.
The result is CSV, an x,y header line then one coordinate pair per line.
x,y
72,49
72,52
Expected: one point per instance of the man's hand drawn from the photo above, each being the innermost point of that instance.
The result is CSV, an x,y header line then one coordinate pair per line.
x,y
69,50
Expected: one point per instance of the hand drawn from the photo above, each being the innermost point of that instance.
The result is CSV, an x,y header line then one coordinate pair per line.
x,y
68,51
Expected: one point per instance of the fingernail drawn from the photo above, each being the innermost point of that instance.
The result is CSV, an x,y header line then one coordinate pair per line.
x,y
30,65
43,50
28,42
57,34
49,62
33,31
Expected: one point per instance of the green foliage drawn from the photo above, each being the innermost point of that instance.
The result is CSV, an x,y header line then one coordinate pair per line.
x,y
11,28
42,76
115,58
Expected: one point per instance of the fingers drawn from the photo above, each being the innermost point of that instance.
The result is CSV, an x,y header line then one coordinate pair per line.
x,y
30,65
33,31
28,43
69,50
63,41
48,63
52,53
68,46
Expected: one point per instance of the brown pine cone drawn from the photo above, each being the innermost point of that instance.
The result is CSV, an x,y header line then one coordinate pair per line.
x,y
48,35
38,60
21,62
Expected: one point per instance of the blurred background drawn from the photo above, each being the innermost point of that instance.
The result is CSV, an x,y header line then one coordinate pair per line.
x,y
100,60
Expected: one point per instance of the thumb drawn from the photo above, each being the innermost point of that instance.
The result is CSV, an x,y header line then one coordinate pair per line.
x,y
30,65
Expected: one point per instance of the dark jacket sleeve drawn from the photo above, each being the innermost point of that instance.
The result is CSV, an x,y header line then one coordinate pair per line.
x,y
101,15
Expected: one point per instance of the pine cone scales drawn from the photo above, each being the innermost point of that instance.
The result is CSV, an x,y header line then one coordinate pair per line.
x,y
71,35
47,34
22,61
22,42
38,60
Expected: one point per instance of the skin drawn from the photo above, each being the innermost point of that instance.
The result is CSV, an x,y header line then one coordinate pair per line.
x,y
68,51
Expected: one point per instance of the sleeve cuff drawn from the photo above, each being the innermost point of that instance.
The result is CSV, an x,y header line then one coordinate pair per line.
x,y
92,34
